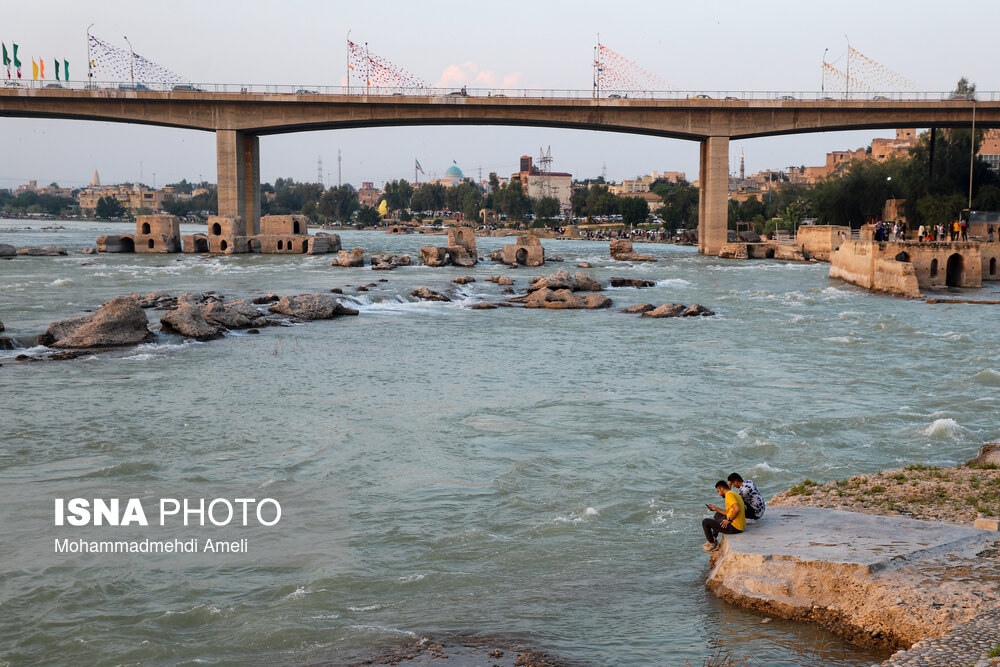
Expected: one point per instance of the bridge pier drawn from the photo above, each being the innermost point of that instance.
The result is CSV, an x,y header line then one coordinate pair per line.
x,y
238,157
713,200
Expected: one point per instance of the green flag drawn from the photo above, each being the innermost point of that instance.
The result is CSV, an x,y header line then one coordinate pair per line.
x,y
57,70
6,58
65,70
17,63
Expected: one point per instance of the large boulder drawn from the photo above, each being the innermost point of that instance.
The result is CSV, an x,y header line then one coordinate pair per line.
x,y
157,299
389,262
234,315
459,256
7,250
631,282
188,321
500,280
639,308
117,323
621,249
461,280
427,294
433,255
561,279
311,307
564,299
666,310
697,310
354,257
44,251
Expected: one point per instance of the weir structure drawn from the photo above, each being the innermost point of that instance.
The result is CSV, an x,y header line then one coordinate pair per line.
x,y
240,118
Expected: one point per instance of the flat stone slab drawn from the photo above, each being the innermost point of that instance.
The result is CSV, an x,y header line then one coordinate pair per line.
x,y
835,536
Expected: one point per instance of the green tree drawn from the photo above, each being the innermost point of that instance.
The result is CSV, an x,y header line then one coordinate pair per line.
x,y
339,203
109,207
428,197
397,194
512,201
933,209
634,210
368,215
546,208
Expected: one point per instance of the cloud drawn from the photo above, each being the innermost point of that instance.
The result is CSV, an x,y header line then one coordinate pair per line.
x,y
469,74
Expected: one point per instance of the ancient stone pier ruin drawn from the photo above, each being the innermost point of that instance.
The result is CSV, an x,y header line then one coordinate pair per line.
x,y
527,251
906,267
225,234
460,251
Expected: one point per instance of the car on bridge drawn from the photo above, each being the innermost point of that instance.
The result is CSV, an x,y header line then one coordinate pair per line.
x,y
132,86
187,88
700,97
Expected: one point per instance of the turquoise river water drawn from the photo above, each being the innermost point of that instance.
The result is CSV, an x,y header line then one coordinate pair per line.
x,y
532,474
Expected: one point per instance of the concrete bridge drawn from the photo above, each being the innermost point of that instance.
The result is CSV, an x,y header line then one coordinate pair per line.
x,y
239,119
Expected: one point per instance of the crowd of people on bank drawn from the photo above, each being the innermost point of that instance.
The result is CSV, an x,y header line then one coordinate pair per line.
x,y
743,501
956,230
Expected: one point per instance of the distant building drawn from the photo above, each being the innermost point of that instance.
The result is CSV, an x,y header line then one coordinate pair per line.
x,y
54,190
989,149
368,195
538,184
642,183
133,196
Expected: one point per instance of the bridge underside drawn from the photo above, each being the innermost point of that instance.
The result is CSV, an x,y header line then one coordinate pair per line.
x,y
240,119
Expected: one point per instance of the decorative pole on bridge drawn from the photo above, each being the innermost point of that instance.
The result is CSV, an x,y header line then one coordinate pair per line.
x,y
131,61
90,63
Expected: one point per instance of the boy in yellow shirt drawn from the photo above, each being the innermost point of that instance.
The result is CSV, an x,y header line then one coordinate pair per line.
x,y
730,521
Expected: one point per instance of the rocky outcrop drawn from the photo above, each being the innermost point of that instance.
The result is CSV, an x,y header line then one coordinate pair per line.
x,y
459,256
621,249
631,282
388,262
355,257
271,297
311,307
639,308
584,265
119,322
433,255
234,315
187,320
159,299
666,310
7,250
677,310
44,251
579,282
564,299
485,305
426,294
463,280
500,280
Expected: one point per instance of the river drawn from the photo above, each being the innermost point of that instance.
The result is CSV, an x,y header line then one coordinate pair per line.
x,y
527,473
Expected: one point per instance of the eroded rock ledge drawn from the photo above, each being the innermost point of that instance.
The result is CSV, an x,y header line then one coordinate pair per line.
x,y
876,580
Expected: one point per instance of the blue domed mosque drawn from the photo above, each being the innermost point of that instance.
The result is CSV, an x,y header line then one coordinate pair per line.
x,y
452,176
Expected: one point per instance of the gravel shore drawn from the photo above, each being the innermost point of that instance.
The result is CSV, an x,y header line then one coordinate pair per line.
x,y
952,495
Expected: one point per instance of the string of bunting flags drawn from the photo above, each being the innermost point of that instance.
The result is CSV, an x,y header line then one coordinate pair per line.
x,y
616,72
114,64
378,71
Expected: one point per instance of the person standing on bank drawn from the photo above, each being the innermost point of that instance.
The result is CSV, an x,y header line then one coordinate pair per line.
x,y
730,521
752,500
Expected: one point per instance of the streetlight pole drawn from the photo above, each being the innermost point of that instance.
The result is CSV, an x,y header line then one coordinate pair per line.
x,y
131,61
90,68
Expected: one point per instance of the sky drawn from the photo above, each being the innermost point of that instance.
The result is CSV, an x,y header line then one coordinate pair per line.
x,y
691,46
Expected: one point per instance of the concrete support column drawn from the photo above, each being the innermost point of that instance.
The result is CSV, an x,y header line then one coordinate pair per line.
x,y
713,202
238,156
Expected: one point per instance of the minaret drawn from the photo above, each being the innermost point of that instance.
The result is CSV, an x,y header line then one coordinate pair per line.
x,y
96,180
742,172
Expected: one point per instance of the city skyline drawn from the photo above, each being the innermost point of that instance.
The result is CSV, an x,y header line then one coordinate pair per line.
x,y
690,48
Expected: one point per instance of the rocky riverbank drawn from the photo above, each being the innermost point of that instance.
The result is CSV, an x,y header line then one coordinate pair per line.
x,y
890,559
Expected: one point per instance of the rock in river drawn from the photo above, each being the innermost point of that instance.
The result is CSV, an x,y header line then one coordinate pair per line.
x,y
188,321
311,307
427,294
118,322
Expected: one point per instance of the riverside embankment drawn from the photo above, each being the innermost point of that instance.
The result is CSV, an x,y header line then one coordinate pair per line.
x,y
889,559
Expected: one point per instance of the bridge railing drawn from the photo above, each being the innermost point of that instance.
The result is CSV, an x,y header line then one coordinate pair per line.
x,y
542,93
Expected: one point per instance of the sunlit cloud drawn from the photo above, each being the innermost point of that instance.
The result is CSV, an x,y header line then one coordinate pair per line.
x,y
469,74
